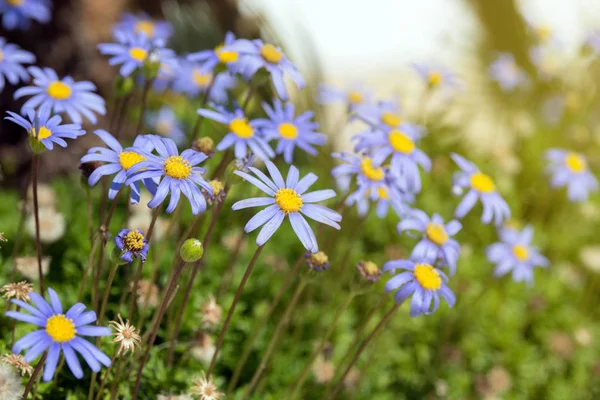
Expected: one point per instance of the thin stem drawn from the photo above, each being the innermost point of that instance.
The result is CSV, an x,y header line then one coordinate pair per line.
x,y
262,323
20,230
200,118
145,91
188,290
90,212
36,371
111,277
227,156
282,323
89,266
38,245
116,379
161,313
122,115
318,351
236,299
228,273
362,348
103,381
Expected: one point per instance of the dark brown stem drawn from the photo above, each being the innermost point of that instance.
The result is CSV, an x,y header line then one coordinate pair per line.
x,y
362,348
262,323
38,245
161,313
105,376
282,323
145,91
36,372
111,277
116,379
236,299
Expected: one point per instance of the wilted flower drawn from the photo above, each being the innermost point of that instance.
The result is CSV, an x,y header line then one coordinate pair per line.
x,y
132,244
62,95
28,266
10,383
174,397
571,169
52,225
369,270
205,388
287,199
18,290
211,312
19,13
317,261
18,361
10,63
126,335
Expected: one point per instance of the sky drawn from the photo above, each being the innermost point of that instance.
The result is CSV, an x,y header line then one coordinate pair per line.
x,y
360,37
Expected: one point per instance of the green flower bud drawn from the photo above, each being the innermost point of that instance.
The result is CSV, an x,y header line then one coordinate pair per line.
x,y
115,256
151,66
123,86
191,250
35,145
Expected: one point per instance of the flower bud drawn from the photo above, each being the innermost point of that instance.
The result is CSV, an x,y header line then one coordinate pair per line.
x,y
204,145
35,145
123,86
151,65
115,256
191,250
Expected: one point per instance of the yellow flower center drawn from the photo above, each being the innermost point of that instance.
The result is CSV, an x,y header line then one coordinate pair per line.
x,y
226,56
42,133
288,200
521,252
355,97
436,233
58,90
401,142
217,186
133,241
575,162
434,79
544,32
374,174
382,192
15,3
271,54
482,182
138,54
241,128
128,159
60,328
177,167
146,27
319,258
427,277
201,79
390,119
370,268
288,131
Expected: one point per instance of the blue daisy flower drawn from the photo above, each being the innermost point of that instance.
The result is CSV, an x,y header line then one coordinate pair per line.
x,y
368,173
515,253
287,199
193,81
571,169
155,30
354,97
507,73
256,54
133,244
291,131
130,51
165,123
421,280
436,243
167,71
242,134
178,174
437,76
60,332
45,129
223,54
385,194
62,95
385,112
19,13
11,58
399,143
482,187
118,161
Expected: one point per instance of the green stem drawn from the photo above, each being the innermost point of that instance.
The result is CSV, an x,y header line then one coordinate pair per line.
x,y
200,118
111,277
105,376
89,266
145,91
38,245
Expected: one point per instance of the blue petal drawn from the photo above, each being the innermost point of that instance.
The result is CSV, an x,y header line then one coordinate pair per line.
x,y
51,362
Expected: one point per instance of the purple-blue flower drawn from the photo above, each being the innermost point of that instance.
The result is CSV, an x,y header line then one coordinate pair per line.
x,y
11,58
130,51
19,13
515,253
480,186
354,97
385,194
437,76
192,81
289,130
45,129
287,198
242,134
385,112
168,69
571,169
164,122
421,280
133,244
256,54
507,73
62,95
60,332
178,174
368,173
399,144
436,243
157,31
223,54
118,161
